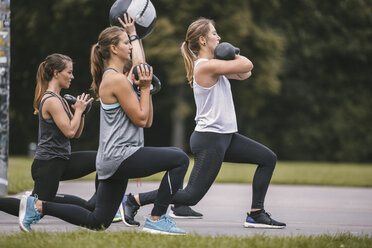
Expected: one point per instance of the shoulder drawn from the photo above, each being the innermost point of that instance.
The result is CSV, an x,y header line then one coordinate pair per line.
x,y
114,83
53,105
115,80
51,101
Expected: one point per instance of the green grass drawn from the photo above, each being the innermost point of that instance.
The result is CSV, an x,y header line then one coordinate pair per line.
x,y
135,239
300,173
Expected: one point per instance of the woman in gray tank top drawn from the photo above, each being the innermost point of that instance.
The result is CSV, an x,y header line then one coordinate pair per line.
x,y
121,153
54,161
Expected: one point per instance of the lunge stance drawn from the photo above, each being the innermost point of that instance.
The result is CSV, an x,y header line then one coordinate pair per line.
x,y
54,161
216,138
121,154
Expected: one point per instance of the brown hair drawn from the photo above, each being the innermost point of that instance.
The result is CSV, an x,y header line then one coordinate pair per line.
x,y
100,54
190,47
45,72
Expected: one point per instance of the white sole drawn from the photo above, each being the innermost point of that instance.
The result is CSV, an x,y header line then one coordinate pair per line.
x,y
22,212
252,225
184,217
121,210
148,230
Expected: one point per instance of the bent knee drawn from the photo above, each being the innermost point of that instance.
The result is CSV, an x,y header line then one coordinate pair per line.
x,y
99,224
271,159
183,159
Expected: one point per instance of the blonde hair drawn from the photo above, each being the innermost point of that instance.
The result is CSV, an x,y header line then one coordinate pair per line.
x,y
190,47
45,72
100,54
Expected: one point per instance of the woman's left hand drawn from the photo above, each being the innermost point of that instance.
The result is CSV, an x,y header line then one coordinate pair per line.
x,y
128,24
82,101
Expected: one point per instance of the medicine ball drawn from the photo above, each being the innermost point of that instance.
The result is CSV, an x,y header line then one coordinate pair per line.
x,y
142,10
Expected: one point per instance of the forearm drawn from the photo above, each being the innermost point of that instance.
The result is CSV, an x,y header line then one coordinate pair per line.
x,y
144,107
74,125
239,76
81,127
151,114
137,52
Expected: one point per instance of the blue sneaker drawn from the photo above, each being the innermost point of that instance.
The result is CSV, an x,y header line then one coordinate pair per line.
x,y
117,217
165,225
28,214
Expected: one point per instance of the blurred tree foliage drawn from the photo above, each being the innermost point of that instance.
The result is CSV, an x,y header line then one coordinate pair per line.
x,y
309,97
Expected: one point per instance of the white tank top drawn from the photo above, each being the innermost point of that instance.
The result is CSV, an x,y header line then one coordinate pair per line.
x,y
215,110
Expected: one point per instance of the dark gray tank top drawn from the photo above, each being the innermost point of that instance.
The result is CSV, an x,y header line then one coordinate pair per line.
x,y
52,143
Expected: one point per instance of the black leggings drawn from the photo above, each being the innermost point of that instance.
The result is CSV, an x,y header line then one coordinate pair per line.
x,y
48,173
145,162
210,150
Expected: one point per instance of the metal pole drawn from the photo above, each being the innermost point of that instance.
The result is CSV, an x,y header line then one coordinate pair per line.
x,y
4,93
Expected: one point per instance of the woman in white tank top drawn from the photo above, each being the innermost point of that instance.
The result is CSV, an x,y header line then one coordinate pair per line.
x,y
215,138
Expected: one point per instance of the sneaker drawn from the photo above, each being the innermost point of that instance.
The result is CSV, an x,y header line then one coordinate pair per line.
x,y
261,219
128,211
184,212
28,213
117,217
165,225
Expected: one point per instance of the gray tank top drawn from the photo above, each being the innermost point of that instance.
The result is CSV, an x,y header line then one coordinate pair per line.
x,y
52,143
119,138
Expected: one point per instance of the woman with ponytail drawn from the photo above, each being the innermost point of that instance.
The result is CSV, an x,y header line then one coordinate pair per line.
x,y
216,138
54,161
121,153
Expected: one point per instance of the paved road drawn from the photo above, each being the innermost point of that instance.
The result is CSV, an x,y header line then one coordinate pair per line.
x,y
307,210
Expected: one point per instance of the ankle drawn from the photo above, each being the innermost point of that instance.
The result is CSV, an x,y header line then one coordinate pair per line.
x,y
154,218
256,211
136,197
39,206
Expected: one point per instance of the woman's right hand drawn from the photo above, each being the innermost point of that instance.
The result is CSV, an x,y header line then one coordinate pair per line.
x,y
128,24
144,77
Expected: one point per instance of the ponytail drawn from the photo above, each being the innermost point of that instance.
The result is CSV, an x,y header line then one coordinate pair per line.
x,y
188,58
97,67
41,86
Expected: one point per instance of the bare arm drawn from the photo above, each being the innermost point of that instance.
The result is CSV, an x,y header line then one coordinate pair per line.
x,y
119,86
138,55
207,72
55,110
151,114
80,129
239,76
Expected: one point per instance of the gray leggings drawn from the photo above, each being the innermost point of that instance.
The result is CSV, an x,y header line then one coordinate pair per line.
x,y
210,150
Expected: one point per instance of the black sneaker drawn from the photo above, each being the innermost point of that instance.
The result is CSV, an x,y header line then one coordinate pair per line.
x,y
261,219
184,212
127,211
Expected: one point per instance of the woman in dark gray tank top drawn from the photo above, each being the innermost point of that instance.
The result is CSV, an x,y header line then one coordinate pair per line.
x,y
121,153
53,161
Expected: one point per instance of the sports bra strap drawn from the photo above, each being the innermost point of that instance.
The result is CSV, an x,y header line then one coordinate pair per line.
x,y
107,70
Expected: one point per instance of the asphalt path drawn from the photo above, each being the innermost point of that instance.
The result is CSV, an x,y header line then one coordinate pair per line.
x,y
307,210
